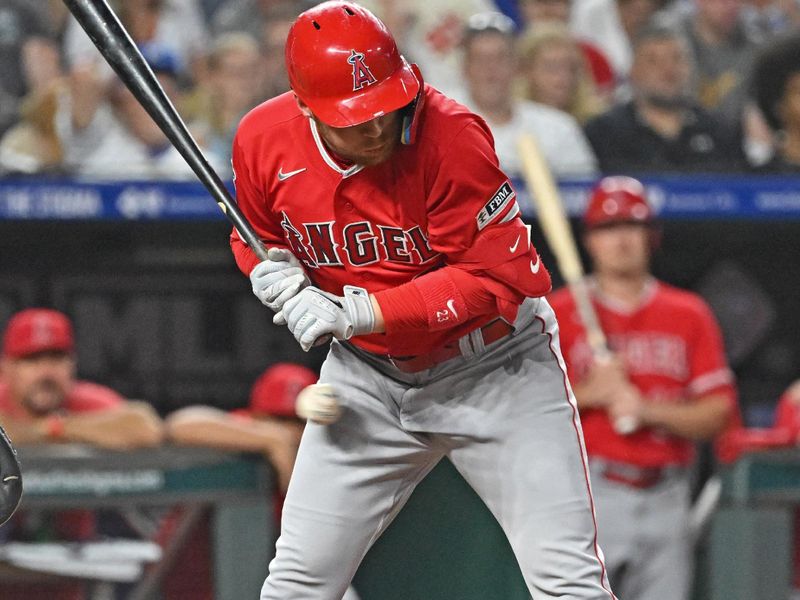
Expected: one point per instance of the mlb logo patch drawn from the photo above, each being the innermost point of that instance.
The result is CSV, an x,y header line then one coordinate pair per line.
x,y
495,205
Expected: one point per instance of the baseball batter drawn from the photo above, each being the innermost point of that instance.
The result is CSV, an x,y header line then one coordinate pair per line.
x,y
392,230
669,375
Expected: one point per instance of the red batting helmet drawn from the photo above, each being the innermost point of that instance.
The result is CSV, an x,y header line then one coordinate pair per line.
x,y
617,199
344,65
275,391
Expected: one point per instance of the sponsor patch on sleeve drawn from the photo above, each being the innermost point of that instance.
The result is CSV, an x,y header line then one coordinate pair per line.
x,y
495,205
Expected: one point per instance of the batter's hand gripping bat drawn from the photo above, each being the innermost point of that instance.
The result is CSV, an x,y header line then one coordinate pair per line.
x,y
107,33
555,226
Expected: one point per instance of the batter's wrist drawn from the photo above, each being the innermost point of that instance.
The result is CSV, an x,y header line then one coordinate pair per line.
x,y
380,325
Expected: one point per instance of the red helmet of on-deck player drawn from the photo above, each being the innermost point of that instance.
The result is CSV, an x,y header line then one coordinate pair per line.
x,y
344,65
274,393
617,199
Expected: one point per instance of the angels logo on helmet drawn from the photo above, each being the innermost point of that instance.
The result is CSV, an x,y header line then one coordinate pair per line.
x,y
361,74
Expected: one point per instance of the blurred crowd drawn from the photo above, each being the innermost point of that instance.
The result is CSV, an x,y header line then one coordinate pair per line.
x,y
634,86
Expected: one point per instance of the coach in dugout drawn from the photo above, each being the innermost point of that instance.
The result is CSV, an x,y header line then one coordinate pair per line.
x,y
668,378
42,402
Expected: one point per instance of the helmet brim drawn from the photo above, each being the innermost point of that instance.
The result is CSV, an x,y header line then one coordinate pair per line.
x,y
394,92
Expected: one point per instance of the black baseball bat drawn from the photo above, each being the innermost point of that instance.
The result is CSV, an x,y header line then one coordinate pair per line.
x,y
112,40
10,478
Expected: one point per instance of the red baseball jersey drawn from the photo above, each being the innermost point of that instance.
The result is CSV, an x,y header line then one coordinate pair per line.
x,y
672,350
441,201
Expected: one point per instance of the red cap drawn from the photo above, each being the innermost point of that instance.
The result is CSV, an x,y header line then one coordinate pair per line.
x,y
617,199
37,330
343,63
275,391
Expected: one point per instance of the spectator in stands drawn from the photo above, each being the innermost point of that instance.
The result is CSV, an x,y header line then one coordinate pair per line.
x,y
32,145
490,64
661,129
430,34
171,29
721,51
269,425
251,16
612,25
666,386
273,42
105,132
776,88
29,59
767,18
540,12
553,72
232,87
41,401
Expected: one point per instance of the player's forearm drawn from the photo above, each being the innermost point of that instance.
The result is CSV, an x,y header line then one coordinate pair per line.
x,y
438,300
203,426
696,420
133,425
380,324
588,396
25,432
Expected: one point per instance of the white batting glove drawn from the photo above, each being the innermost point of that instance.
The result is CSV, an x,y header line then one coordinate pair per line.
x,y
278,278
313,315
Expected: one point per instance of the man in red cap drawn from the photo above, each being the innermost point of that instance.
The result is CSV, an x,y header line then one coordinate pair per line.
x,y
668,375
393,235
268,425
41,401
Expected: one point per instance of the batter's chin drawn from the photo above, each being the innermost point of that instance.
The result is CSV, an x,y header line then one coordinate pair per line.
x,y
376,157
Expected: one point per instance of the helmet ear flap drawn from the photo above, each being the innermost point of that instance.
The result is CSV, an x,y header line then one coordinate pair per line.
x,y
411,117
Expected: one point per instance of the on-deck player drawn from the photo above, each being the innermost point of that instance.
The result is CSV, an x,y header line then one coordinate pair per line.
x,y
392,229
669,374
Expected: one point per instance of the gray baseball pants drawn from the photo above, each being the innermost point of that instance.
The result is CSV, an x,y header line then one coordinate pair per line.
x,y
645,535
505,416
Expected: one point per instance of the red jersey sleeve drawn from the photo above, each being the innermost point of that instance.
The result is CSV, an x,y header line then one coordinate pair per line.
x,y
252,199
473,220
91,397
710,373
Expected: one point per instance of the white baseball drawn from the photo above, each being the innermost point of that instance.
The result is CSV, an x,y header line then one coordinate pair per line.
x,y
626,425
318,403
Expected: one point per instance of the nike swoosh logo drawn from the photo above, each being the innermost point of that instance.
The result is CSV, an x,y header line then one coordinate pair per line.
x,y
514,247
451,306
535,267
284,176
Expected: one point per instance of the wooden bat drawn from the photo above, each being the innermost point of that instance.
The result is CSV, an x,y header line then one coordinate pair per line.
x,y
555,226
112,40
